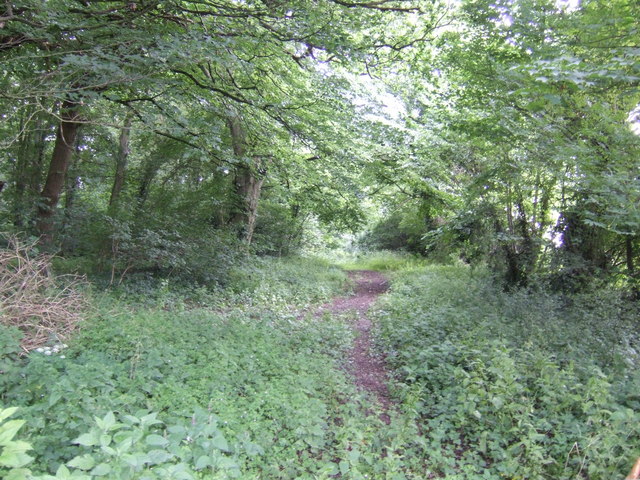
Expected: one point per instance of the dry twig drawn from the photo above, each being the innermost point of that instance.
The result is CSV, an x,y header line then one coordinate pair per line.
x,y
41,305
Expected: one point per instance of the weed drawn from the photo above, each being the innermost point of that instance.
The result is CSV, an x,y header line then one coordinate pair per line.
x,y
513,385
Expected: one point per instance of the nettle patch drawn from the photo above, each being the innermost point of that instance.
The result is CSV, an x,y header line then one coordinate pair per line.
x,y
196,393
515,385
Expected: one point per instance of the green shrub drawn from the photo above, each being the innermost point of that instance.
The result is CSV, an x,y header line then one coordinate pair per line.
x,y
13,453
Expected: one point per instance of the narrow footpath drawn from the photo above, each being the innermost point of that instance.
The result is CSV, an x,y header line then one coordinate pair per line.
x,y
366,366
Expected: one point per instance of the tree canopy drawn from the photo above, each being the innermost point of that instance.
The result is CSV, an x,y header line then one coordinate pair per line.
x,y
494,131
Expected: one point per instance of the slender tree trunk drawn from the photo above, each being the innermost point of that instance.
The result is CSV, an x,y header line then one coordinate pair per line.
x,y
72,185
252,197
631,271
121,164
631,268
149,171
60,159
28,170
238,143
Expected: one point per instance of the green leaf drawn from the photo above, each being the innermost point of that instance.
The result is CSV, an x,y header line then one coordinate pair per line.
x,y
82,462
105,440
159,456
9,430
150,419
54,398
63,472
108,422
253,449
87,439
136,460
7,412
203,462
19,474
220,442
156,440
14,459
100,470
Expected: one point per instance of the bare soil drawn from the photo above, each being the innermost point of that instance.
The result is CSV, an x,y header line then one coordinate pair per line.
x,y
365,364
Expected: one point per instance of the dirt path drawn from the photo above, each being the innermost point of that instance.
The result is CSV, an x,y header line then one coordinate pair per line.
x,y
367,367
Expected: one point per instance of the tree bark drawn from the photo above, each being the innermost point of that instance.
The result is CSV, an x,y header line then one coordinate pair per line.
x,y
247,183
28,169
121,164
251,189
72,185
631,270
60,159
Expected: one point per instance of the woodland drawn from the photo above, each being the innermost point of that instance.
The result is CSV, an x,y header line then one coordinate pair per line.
x,y
291,239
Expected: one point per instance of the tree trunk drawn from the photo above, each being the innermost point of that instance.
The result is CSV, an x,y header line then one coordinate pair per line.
x,y
631,268
60,159
27,174
247,184
72,185
631,271
150,168
121,164
251,192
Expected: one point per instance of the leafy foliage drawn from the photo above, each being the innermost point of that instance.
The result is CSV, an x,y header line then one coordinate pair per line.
x,y
252,390
531,384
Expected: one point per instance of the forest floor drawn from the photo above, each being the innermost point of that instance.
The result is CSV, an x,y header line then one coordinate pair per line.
x,y
365,364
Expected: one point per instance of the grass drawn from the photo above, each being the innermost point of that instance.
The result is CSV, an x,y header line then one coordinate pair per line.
x,y
382,261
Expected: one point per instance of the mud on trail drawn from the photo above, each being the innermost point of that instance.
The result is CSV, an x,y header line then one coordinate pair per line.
x,y
366,366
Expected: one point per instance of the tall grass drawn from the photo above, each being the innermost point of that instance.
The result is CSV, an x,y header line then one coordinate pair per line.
x,y
382,261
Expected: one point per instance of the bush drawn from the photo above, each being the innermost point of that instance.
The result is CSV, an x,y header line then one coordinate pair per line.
x,y
383,261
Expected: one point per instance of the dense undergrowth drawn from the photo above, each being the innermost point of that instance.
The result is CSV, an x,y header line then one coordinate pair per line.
x,y
190,384
520,385
382,261
167,380
170,380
